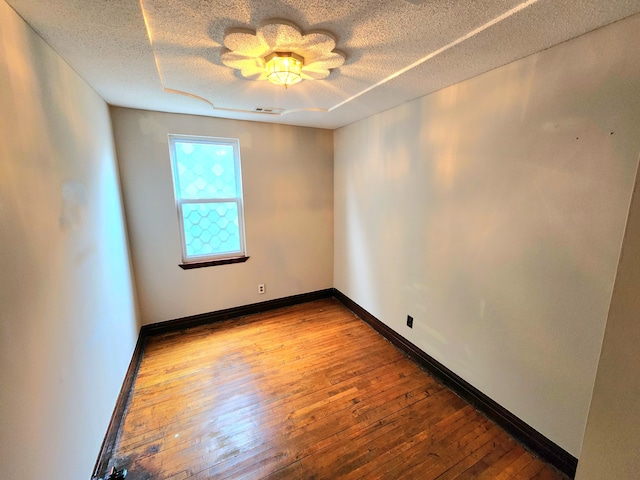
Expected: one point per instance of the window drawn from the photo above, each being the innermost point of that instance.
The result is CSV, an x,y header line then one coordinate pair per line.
x,y
208,192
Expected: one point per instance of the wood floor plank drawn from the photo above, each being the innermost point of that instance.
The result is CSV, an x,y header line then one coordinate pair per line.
x,y
396,454
547,473
497,468
303,392
286,426
426,462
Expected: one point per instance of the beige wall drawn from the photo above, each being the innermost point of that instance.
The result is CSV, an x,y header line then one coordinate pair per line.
x,y
493,212
67,314
611,440
288,194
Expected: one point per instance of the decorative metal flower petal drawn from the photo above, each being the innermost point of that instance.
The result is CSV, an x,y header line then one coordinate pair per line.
x,y
247,49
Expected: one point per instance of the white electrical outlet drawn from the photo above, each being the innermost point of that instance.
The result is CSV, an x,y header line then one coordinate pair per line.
x,y
261,288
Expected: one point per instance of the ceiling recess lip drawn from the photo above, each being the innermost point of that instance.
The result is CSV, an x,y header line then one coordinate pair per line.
x,y
174,64
356,95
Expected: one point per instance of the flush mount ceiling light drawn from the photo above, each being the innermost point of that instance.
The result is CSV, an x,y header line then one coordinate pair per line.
x,y
283,68
280,53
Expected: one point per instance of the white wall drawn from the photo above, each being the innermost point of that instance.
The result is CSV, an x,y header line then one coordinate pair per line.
x,y
611,440
288,198
493,212
67,315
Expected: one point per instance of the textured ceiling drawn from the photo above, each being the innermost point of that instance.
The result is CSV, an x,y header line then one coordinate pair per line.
x,y
165,54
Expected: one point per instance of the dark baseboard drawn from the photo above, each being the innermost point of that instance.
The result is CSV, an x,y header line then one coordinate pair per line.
x,y
109,442
206,318
527,435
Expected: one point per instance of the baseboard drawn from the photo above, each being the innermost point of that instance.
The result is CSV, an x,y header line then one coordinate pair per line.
x,y
109,441
206,318
527,435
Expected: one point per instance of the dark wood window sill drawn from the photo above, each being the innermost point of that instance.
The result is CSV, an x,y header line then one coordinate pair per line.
x,y
213,263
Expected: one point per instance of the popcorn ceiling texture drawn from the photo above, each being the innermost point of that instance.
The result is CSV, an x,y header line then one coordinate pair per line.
x,y
247,50
107,44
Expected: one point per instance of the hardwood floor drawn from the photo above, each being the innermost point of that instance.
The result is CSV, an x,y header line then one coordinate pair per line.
x,y
303,392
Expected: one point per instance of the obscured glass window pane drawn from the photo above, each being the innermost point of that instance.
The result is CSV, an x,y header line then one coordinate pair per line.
x,y
205,170
211,228
208,196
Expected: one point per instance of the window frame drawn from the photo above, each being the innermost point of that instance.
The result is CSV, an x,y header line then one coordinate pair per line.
x,y
195,261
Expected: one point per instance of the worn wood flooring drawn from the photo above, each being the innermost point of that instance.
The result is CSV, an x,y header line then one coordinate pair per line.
x,y
304,392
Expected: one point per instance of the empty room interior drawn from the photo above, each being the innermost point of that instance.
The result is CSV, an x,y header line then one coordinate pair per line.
x,y
438,196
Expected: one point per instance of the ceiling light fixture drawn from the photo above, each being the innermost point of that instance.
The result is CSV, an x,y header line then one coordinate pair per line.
x,y
278,51
283,68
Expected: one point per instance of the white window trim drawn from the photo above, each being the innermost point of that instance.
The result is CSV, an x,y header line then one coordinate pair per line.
x,y
235,144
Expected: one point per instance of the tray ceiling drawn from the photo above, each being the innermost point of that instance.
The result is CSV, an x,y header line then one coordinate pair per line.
x,y
166,55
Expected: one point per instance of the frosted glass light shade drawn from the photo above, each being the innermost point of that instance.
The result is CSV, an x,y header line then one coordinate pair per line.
x,y
284,68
